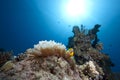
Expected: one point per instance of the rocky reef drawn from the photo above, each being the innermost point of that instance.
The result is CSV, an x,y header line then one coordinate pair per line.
x,y
49,60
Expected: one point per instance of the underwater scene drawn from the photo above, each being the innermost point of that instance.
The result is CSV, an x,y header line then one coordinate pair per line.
x,y
59,40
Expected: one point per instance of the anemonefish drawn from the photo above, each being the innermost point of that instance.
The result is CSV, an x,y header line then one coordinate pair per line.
x,y
70,51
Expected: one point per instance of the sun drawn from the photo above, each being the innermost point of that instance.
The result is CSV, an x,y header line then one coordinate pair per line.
x,y
76,8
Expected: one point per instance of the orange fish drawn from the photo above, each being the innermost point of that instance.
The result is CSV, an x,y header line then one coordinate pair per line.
x,y
70,51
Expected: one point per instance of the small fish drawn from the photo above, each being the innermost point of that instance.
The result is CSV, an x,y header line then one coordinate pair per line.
x,y
70,51
69,25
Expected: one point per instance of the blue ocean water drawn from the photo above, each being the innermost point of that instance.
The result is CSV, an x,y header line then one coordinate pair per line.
x,y
24,23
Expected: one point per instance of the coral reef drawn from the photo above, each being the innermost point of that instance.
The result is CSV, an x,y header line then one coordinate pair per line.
x,y
49,60
116,76
49,48
20,57
5,56
87,48
7,66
